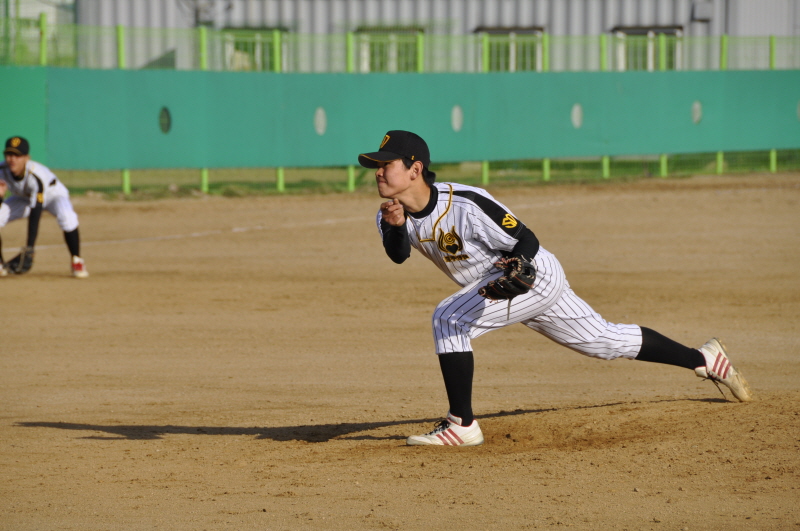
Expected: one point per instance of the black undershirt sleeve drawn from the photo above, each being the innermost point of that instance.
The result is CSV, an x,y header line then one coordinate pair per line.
x,y
527,245
396,242
36,214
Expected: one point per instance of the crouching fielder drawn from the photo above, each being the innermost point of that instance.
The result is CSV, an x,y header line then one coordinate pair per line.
x,y
506,277
34,188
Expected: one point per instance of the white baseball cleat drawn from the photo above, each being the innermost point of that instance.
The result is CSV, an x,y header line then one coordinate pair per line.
x,y
719,370
79,268
449,432
3,271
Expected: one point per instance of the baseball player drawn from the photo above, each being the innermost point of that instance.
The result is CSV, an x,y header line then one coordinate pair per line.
x,y
506,277
34,188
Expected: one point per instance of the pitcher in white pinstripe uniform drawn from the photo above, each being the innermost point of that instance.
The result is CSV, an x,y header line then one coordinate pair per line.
x,y
464,231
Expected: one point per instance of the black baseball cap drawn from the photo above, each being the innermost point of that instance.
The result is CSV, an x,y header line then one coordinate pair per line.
x,y
17,145
396,145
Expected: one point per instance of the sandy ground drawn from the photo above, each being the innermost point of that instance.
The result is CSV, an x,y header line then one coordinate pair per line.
x,y
257,363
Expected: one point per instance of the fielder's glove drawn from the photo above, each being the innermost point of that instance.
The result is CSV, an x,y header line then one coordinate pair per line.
x,y
518,278
21,263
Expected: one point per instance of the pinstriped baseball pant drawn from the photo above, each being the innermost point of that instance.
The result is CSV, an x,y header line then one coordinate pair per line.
x,y
19,207
550,308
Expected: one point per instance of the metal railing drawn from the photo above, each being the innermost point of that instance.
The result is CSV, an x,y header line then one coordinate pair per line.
x,y
27,42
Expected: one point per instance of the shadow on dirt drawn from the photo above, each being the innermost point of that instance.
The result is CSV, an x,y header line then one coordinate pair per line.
x,y
308,433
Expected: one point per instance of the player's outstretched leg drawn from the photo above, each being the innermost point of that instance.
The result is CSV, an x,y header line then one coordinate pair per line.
x,y
709,361
450,432
718,369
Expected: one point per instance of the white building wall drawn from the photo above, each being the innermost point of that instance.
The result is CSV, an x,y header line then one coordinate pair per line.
x,y
559,17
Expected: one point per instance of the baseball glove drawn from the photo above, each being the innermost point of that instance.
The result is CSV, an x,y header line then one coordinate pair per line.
x,y
518,278
21,263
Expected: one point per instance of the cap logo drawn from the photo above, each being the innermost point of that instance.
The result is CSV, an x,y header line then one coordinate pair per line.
x,y
16,141
385,139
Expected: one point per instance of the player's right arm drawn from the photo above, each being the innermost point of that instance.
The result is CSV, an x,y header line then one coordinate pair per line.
x,y
392,226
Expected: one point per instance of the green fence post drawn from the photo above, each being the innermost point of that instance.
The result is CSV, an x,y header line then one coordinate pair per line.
x,y
42,39
663,164
121,47
723,65
485,172
280,179
545,52
7,33
126,174
276,51
351,178
17,35
485,57
420,52
203,33
773,154
126,182
662,52
350,51
545,169
772,52
603,52
204,180
606,163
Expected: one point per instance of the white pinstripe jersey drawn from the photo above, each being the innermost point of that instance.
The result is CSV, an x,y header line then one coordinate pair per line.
x,y
28,186
465,233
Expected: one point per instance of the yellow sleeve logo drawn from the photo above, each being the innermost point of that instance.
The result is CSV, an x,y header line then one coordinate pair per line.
x,y
509,222
40,197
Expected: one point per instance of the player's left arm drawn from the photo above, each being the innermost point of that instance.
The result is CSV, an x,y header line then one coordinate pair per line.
x,y
37,204
499,229
527,245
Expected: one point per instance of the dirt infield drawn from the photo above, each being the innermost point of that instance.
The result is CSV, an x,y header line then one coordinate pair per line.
x,y
257,363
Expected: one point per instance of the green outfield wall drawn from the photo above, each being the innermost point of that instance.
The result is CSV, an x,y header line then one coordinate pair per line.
x,y
112,119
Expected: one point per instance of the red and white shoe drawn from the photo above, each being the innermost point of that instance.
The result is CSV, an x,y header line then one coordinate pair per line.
x,y
719,370
449,432
79,268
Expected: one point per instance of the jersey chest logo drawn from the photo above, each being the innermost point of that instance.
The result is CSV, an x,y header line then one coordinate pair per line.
x,y
451,244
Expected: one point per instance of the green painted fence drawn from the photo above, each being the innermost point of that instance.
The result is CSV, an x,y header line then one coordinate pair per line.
x,y
114,119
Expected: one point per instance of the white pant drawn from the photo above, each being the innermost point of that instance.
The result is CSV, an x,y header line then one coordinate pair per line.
x,y
551,308
60,206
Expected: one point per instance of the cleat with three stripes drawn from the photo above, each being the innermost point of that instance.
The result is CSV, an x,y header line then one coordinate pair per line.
x,y
718,369
449,432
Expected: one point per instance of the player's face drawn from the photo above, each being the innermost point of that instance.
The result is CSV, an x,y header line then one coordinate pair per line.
x,y
393,178
16,163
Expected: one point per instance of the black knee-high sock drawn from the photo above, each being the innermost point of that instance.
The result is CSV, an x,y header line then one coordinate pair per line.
x,y
457,370
73,242
661,349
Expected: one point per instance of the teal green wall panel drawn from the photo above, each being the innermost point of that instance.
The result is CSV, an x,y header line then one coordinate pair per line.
x,y
22,91
97,119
